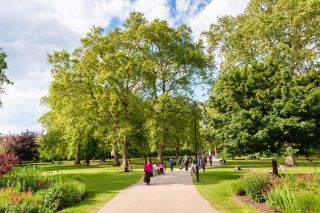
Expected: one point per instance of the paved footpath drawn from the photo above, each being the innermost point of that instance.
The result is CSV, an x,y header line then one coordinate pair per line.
x,y
172,192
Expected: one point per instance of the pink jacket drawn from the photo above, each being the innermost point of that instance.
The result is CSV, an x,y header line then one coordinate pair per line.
x,y
147,167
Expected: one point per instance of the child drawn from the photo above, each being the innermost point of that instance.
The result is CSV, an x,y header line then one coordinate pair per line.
x,y
161,168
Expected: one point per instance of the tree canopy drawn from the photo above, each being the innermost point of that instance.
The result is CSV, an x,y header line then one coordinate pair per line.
x,y
267,95
119,88
3,77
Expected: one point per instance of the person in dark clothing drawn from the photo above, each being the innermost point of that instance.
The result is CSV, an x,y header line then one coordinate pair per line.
x,y
186,162
171,164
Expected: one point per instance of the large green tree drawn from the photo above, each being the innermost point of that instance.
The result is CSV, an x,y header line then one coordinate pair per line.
x,y
174,63
3,77
267,94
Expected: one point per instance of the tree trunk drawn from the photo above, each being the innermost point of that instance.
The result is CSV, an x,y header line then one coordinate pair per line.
x,y
77,161
87,161
215,151
177,148
116,161
125,154
275,168
160,153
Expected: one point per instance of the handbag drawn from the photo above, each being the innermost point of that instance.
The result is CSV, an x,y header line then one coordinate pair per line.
x,y
151,174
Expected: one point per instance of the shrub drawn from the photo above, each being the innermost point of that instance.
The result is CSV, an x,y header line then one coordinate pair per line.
x,y
296,193
12,200
7,161
63,193
305,202
237,188
23,179
281,197
256,186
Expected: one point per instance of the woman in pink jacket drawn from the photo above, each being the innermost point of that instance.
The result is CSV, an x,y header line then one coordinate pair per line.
x,y
148,170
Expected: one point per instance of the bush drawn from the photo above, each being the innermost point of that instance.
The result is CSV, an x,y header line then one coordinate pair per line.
x,y
296,193
63,193
281,197
23,179
256,186
12,200
237,188
305,202
52,193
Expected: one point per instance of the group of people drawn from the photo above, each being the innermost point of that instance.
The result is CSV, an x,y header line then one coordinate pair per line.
x,y
183,162
150,168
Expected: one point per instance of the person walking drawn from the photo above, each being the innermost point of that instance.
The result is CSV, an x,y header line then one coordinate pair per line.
x,y
171,164
186,162
210,160
148,170
203,162
180,162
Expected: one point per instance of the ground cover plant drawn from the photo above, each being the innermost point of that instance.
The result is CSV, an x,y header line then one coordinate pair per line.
x,y
26,189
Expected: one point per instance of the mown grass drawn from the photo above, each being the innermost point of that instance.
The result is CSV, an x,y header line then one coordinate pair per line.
x,y
214,184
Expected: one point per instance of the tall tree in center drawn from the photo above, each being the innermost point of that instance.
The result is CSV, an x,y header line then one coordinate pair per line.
x,y
174,63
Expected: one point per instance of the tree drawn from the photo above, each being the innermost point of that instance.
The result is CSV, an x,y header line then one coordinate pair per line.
x,y
268,90
3,77
24,147
174,63
52,145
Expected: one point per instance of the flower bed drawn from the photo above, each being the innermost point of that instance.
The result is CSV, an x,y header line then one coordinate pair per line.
x,y
291,193
27,190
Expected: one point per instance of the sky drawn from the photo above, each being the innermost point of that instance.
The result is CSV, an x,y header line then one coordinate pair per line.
x,y
31,29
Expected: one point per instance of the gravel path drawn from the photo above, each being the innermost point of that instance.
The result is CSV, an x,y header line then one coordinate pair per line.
x,y
169,193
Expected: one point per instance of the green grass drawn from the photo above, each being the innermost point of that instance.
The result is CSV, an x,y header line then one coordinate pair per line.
x,y
103,182
214,184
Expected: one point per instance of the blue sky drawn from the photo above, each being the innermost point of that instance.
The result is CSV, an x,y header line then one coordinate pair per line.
x,y
30,29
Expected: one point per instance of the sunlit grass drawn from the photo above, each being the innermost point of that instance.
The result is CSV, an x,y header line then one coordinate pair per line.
x,y
214,184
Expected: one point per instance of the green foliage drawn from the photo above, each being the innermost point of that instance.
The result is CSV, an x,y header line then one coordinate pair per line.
x,y
3,77
12,200
62,193
281,198
255,156
23,179
238,188
296,193
254,186
29,189
123,89
305,202
266,95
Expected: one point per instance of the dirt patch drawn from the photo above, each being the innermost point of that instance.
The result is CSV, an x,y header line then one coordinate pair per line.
x,y
263,207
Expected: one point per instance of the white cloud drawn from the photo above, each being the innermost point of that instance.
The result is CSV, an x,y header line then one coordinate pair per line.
x,y
200,21
30,29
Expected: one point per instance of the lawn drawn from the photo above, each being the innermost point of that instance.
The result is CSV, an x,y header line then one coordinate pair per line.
x,y
214,184
103,182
